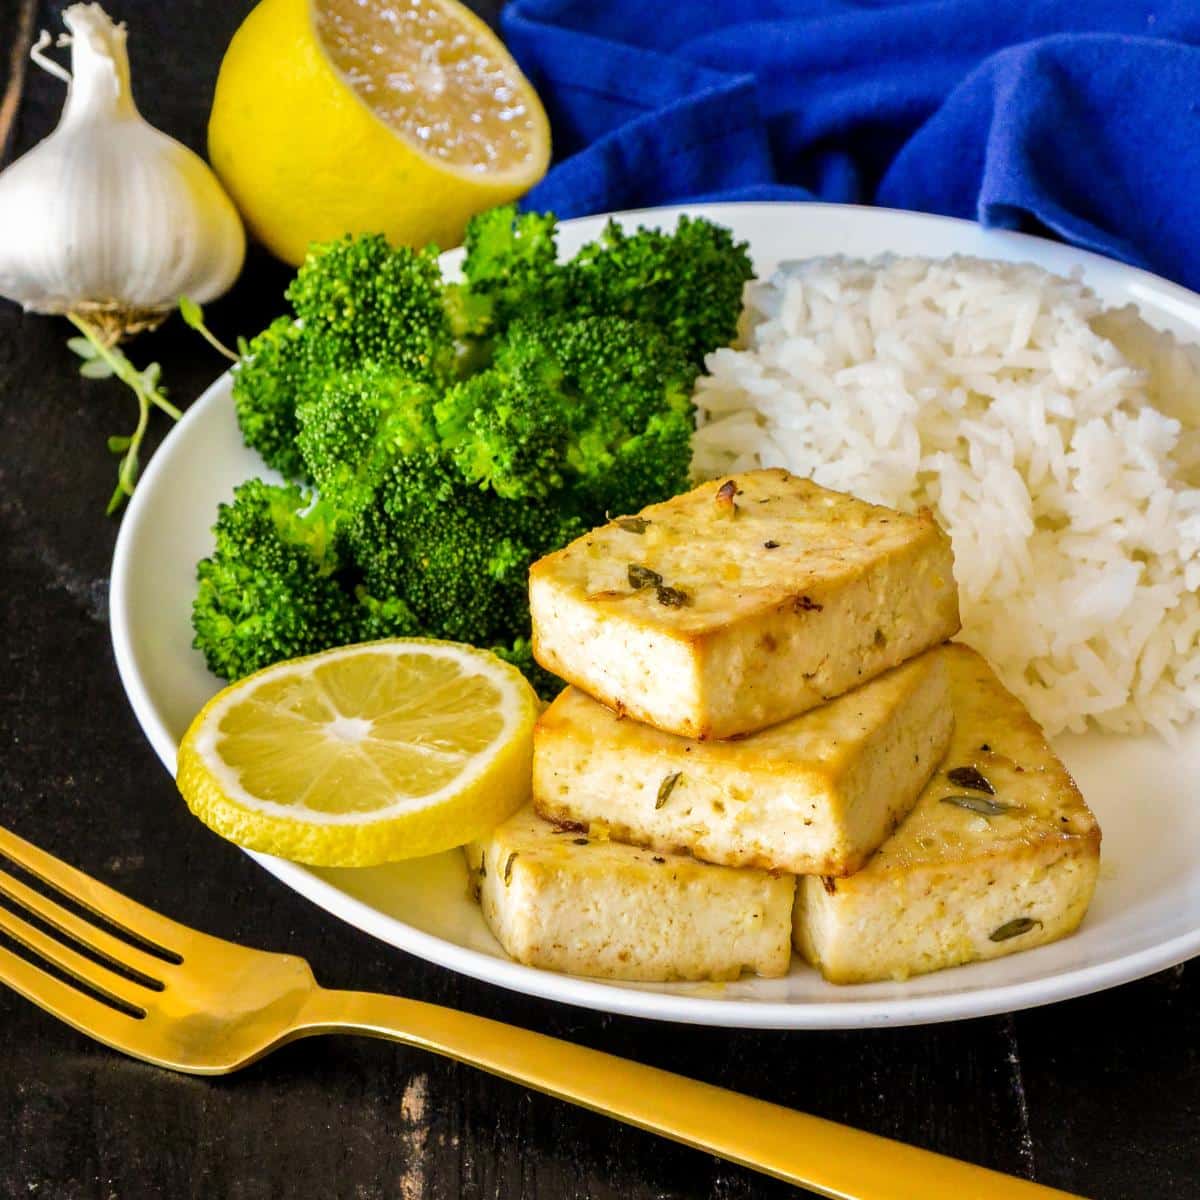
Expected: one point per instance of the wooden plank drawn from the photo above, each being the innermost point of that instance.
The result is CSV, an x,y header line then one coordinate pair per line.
x,y
17,33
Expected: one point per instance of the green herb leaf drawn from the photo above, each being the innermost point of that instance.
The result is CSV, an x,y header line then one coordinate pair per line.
x,y
193,317
666,788
978,804
1012,929
101,361
633,524
95,368
191,312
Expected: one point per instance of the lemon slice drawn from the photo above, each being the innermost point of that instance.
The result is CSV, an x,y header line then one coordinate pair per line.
x,y
364,754
401,117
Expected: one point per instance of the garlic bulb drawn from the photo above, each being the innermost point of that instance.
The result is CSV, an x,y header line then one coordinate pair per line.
x,y
109,218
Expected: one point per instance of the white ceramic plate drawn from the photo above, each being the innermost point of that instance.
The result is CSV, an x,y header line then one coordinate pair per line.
x,y
1146,914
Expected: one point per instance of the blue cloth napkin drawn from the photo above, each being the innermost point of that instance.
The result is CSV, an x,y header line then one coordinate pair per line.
x,y
1075,117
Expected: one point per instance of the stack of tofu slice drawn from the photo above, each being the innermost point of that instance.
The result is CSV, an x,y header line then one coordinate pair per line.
x,y
766,741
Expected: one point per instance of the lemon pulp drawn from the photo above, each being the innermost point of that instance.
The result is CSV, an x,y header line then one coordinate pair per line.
x,y
363,754
434,80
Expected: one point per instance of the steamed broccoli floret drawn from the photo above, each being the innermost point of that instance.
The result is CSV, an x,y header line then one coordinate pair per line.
x,y
387,618
364,303
599,407
356,427
456,433
687,283
509,427
510,268
634,414
271,590
458,556
266,384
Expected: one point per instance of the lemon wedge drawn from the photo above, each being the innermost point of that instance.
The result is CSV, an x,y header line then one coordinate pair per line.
x,y
364,754
402,117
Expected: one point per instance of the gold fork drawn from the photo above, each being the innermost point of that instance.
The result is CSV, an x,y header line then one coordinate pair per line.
x,y
172,996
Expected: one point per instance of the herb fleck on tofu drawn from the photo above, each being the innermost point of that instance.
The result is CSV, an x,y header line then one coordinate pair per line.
x,y
563,826
1012,929
633,524
665,788
969,777
672,597
508,862
724,498
640,577
978,804
806,604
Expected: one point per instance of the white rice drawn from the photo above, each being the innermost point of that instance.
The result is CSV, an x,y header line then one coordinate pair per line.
x,y
1059,444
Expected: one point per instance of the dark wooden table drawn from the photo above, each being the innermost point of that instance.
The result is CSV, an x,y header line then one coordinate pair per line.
x,y
1099,1096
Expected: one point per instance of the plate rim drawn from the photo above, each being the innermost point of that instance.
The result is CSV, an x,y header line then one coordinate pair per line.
x,y
597,994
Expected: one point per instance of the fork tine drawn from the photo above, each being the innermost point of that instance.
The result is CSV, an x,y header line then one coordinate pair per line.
x,y
60,955
89,934
83,1012
135,919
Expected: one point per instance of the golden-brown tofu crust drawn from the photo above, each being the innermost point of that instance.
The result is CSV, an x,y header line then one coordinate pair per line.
x,y
816,794
742,603
1001,853
561,900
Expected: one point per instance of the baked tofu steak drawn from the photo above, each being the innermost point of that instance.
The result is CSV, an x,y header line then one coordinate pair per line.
x,y
741,603
1000,854
558,899
815,794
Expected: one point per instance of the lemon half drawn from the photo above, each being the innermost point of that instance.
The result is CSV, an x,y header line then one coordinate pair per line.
x,y
364,754
401,117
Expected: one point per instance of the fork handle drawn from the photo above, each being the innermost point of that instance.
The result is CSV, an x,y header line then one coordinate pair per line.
x,y
830,1159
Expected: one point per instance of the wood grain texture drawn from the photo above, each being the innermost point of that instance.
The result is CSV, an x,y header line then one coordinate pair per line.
x,y
1100,1095
16,33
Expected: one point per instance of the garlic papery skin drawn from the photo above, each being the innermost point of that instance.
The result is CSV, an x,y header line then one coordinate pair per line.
x,y
108,217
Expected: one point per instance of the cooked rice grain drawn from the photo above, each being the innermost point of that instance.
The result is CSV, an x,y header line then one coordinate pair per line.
x,y
1058,443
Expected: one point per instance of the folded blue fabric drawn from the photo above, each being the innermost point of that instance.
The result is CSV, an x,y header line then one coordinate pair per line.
x,y
1077,119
